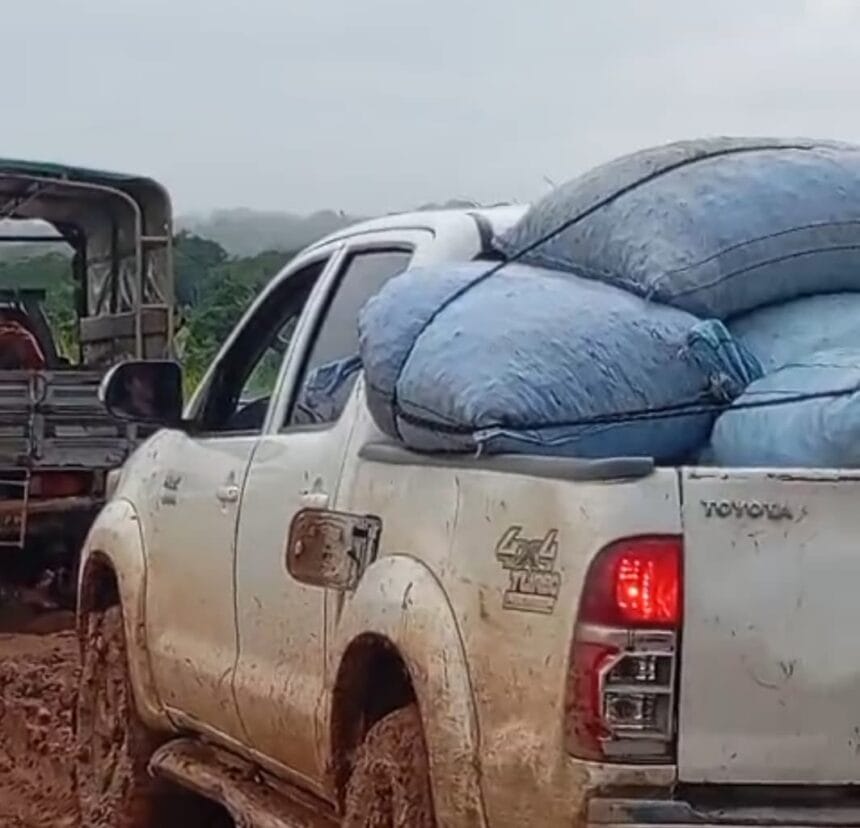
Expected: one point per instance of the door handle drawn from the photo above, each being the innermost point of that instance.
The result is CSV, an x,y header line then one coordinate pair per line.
x,y
229,493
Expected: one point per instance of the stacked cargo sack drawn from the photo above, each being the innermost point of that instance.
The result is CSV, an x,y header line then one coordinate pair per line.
x,y
733,228
803,414
596,350
716,227
805,411
541,362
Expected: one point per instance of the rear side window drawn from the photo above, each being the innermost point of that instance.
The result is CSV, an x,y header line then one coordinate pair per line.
x,y
332,366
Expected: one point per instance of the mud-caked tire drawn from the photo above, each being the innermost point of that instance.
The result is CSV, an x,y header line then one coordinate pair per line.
x,y
113,746
390,783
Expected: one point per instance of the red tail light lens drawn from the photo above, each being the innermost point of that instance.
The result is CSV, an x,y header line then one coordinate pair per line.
x,y
60,484
620,704
635,582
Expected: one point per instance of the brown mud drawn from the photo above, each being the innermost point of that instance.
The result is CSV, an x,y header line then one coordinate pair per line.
x,y
38,680
39,673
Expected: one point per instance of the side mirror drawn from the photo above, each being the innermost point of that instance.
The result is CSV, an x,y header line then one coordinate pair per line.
x,y
144,392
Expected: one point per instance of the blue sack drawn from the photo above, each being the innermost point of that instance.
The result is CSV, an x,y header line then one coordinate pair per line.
x,y
822,430
716,227
541,362
784,333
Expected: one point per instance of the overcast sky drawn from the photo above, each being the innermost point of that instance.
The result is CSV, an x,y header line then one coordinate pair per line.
x,y
372,105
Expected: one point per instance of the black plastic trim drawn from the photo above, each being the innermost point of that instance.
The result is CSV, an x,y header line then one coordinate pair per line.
x,y
559,468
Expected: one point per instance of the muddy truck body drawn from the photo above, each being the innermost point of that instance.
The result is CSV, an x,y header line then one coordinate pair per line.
x,y
57,441
318,626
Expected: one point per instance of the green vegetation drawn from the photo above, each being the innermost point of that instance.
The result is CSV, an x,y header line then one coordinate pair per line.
x,y
52,273
213,290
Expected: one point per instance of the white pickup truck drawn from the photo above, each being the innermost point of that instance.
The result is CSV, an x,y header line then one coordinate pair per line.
x,y
311,625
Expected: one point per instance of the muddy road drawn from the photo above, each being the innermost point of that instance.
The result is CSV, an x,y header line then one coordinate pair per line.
x,y
38,685
38,677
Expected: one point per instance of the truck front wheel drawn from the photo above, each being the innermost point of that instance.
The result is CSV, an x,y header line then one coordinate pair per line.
x,y
113,745
390,783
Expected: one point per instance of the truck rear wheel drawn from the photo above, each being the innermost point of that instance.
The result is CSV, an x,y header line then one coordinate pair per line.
x,y
113,745
390,783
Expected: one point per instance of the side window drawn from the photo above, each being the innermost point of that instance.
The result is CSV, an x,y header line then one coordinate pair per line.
x,y
332,366
238,394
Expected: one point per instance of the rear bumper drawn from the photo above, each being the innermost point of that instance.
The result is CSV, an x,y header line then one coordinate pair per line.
x,y
632,813
51,505
37,518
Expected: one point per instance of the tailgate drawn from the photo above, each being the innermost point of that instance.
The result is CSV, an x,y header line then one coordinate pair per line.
x,y
770,667
55,419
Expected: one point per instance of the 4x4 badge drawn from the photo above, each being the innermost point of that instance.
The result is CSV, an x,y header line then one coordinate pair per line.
x,y
533,582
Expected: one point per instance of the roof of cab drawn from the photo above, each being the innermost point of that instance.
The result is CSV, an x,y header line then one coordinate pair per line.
x,y
61,192
500,218
45,169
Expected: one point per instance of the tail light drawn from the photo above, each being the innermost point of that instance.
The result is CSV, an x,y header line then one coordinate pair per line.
x,y
60,484
620,702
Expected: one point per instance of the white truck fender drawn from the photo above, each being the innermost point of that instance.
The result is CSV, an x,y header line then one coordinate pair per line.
x,y
115,542
399,599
